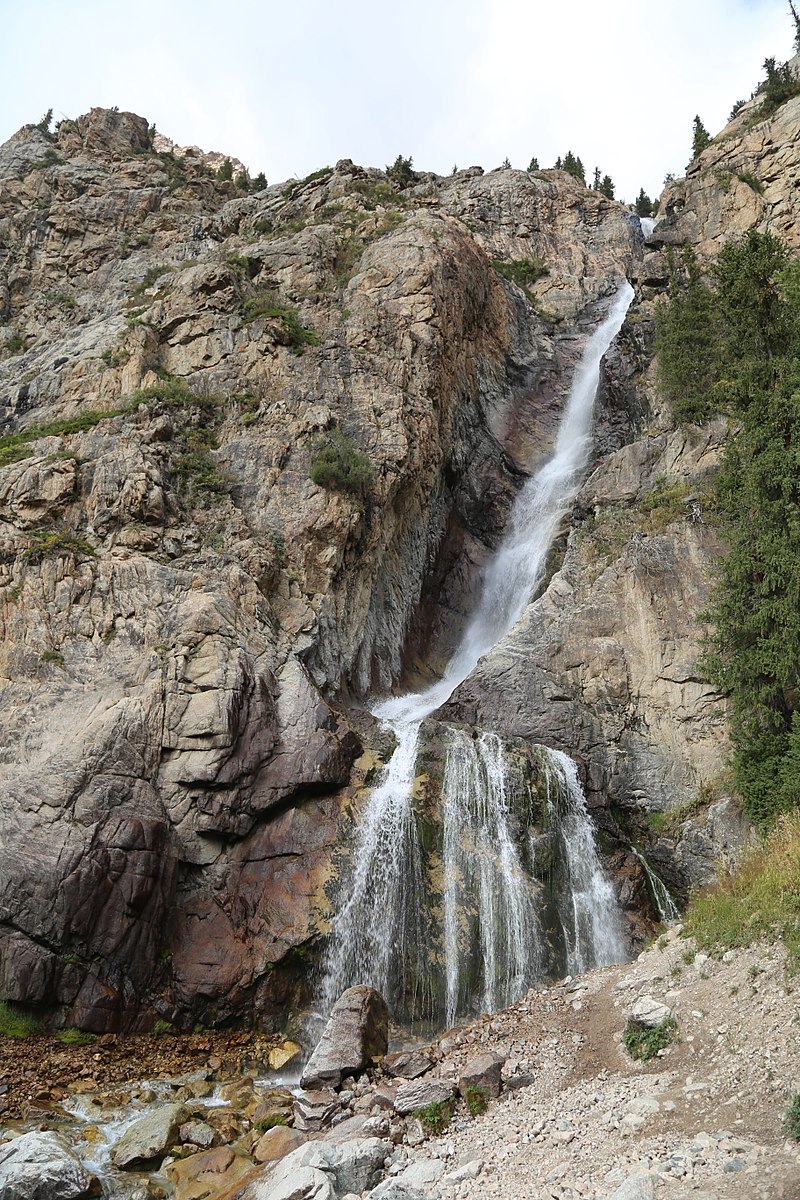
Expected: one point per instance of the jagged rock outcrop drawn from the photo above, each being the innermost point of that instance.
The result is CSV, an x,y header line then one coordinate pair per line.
x,y
744,179
183,610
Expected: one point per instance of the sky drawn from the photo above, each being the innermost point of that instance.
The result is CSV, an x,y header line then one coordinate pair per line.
x,y
292,87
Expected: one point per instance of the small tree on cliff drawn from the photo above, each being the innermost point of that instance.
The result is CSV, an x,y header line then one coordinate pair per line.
x,y
796,19
607,187
644,205
701,138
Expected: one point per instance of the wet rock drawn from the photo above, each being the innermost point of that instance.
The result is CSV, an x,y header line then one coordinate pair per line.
x,y
357,1031
208,1173
483,1072
150,1137
199,1133
421,1093
41,1166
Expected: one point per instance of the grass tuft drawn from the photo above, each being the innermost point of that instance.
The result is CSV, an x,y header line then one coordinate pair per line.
x,y
14,1023
762,900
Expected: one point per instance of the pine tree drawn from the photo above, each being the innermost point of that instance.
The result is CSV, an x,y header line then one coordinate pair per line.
x,y
701,138
507,163
533,165
596,180
573,166
607,187
225,173
796,19
644,205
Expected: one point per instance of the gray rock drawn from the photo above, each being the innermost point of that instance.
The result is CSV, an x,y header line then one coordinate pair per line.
x,y
421,1173
199,1133
483,1072
357,1031
421,1093
637,1187
314,1110
407,1064
150,1137
324,1170
647,1012
41,1166
397,1189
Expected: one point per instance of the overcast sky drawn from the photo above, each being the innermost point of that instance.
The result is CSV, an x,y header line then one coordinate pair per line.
x,y
291,87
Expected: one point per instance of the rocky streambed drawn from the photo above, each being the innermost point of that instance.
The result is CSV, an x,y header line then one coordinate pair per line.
x,y
539,1101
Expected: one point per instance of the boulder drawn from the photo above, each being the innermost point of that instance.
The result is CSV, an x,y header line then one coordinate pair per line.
x,y
150,1137
207,1174
407,1064
323,1171
483,1072
313,1110
41,1166
647,1013
276,1143
198,1133
419,1094
357,1031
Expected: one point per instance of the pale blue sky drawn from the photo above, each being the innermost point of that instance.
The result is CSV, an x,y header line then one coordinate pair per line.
x,y
290,88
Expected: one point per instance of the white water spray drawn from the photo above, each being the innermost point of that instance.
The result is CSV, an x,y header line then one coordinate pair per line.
x,y
370,934
587,906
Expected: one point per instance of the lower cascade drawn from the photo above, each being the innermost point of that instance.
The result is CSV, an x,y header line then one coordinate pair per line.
x,y
458,902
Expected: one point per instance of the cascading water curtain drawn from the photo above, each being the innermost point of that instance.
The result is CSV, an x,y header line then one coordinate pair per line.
x,y
491,931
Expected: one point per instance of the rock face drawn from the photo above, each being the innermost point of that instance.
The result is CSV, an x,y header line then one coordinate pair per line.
x,y
357,1031
184,613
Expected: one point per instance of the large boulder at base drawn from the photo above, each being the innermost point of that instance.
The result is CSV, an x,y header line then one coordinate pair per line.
x,y
483,1073
421,1093
150,1137
41,1166
207,1174
647,1013
357,1031
336,1169
314,1110
407,1064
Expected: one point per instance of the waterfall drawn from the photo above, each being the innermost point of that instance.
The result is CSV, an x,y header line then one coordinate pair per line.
x,y
668,911
371,941
490,903
587,905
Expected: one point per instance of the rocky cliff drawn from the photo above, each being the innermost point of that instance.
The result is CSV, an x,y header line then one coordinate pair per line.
x,y
185,614
191,624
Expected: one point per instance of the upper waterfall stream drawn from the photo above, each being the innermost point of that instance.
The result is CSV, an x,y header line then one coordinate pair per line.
x,y
379,934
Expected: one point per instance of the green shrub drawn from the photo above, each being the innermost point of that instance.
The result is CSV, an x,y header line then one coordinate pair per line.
x,y
54,543
751,180
435,1117
339,466
524,272
15,344
643,1044
266,304
791,1120
477,1100
16,1023
52,656
149,279
76,1037
401,171
779,86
